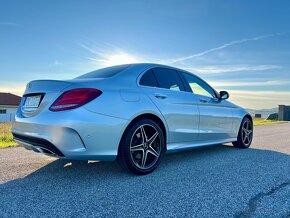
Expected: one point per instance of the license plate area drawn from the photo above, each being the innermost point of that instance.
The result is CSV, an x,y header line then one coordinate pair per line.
x,y
32,102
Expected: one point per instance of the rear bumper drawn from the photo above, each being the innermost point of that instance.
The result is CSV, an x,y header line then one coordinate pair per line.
x,y
77,134
37,145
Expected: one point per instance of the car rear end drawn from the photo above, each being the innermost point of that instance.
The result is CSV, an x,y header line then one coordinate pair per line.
x,y
51,119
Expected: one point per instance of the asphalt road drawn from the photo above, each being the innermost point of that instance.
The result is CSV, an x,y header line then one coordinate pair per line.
x,y
216,181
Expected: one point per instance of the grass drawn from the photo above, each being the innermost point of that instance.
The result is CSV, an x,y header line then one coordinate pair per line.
x,y
6,138
259,122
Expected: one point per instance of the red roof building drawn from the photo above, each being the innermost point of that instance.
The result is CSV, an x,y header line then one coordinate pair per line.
x,y
9,99
8,106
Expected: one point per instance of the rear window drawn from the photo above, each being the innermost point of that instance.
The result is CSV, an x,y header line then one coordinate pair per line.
x,y
104,72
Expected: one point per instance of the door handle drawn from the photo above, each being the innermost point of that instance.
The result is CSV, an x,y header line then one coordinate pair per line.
x,y
203,101
160,96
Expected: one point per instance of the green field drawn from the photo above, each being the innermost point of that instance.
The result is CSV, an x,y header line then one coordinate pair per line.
x,y
6,138
259,122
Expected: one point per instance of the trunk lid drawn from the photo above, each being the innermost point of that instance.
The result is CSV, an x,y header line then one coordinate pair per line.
x,y
39,94
47,86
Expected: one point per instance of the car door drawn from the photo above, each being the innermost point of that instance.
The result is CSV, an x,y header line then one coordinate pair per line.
x,y
215,122
166,90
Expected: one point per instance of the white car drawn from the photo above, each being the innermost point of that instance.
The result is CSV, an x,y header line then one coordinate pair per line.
x,y
133,113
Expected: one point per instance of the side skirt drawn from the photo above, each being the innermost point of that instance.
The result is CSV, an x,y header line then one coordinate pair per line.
x,y
175,147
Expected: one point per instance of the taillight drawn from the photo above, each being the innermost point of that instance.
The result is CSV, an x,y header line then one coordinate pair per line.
x,y
74,98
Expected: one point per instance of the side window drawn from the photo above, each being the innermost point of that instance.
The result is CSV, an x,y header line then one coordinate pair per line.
x,y
148,79
198,86
168,79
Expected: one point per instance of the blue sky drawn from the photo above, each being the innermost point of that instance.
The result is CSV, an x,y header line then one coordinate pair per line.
x,y
240,46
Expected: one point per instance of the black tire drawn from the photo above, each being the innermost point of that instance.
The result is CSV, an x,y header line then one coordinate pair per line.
x,y
245,136
138,156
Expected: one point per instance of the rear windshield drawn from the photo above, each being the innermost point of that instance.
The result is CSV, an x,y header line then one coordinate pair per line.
x,y
104,72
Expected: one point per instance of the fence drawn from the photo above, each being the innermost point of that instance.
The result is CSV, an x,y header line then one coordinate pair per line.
x,y
7,117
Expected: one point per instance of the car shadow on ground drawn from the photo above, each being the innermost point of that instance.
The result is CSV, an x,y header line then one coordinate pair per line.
x,y
216,180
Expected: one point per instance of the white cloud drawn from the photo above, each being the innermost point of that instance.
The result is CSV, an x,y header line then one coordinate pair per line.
x,y
249,83
8,24
17,90
56,62
250,99
104,58
259,99
266,94
232,68
88,48
235,42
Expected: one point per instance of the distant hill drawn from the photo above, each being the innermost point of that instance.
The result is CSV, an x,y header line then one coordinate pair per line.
x,y
265,112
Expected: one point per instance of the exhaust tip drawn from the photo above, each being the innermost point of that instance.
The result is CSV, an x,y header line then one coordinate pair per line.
x,y
36,149
44,151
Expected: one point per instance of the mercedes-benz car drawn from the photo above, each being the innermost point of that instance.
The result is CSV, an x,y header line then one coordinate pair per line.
x,y
132,113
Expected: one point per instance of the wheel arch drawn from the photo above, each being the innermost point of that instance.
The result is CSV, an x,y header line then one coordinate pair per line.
x,y
248,116
150,116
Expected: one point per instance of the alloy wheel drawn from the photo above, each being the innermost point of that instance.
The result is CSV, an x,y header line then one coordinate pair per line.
x,y
247,132
145,146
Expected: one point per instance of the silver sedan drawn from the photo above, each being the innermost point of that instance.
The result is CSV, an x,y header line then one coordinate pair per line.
x,y
132,113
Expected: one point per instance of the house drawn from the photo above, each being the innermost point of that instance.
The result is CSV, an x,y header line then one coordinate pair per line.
x,y
8,106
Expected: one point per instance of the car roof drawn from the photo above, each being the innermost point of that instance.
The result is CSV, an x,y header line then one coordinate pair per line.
x,y
141,67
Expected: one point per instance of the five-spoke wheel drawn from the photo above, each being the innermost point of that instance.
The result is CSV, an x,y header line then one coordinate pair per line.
x,y
142,147
245,136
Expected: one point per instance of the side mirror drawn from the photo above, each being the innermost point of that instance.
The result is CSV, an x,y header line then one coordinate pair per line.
x,y
224,95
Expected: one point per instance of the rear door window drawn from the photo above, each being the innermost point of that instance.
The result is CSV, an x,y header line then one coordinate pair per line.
x,y
168,79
